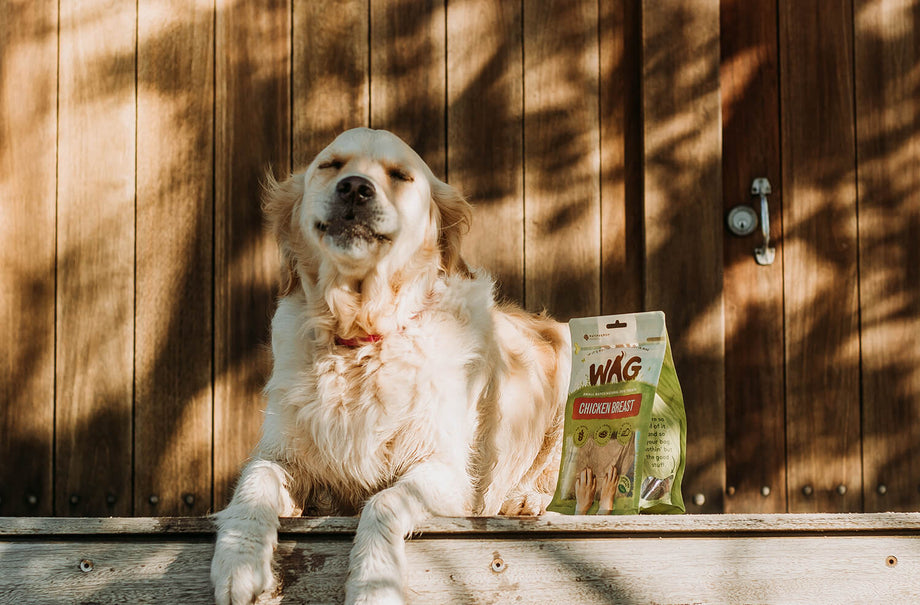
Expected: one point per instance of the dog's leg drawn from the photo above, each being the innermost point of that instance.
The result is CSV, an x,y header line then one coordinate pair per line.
x,y
248,533
377,567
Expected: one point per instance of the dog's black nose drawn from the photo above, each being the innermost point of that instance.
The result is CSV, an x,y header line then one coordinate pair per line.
x,y
355,190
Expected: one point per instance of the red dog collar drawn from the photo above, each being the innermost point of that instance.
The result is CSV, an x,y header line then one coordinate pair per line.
x,y
357,342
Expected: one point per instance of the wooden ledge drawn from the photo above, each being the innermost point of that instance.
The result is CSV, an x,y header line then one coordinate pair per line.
x,y
659,525
852,558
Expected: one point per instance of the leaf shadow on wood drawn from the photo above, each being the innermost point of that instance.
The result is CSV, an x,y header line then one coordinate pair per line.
x,y
876,212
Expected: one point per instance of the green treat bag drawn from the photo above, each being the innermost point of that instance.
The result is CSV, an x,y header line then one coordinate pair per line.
x,y
625,432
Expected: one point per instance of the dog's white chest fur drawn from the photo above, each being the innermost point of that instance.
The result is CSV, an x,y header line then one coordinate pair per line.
x,y
365,414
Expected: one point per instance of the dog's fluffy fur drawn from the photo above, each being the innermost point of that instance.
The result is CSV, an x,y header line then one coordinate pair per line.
x,y
400,387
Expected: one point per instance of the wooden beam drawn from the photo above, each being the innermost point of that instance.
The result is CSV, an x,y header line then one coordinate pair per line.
x,y
887,47
755,419
407,58
252,134
621,152
549,523
28,184
485,133
331,80
175,207
561,158
713,559
683,222
94,374
820,256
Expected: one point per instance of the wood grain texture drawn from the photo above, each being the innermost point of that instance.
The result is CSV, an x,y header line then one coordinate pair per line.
x,y
755,430
561,158
331,84
550,524
28,122
407,55
820,249
683,222
603,567
621,152
175,206
484,134
95,258
253,129
887,46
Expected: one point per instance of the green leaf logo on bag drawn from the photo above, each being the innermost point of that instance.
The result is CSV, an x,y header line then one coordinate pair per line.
x,y
625,426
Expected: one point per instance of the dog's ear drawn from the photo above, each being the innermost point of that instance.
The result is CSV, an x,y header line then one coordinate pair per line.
x,y
279,204
454,217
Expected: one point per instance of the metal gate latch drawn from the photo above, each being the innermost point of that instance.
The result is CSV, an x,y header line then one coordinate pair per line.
x,y
765,254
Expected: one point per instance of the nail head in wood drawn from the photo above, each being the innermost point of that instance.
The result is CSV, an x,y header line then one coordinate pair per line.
x,y
110,499
699,499
153,500
189,499
730,490
842,489
74,499
882,489
765,491
808,490
32,499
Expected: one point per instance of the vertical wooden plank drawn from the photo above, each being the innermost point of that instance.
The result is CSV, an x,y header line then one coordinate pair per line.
x,y
28,130
755,423
819,218
622,250
561,158
683,222
330,76
407,74
175,155
253,129
95,256
484,133
887,46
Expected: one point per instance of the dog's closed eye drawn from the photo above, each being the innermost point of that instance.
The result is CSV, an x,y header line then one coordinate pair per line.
x,y
333,164
398,174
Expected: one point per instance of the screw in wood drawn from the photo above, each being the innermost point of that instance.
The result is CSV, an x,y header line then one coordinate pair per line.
x,y
189,499
498,565
765,491
153,499
32,499
730,490
86,565
891,560
699,499
842,489
74,499
882,489
808,490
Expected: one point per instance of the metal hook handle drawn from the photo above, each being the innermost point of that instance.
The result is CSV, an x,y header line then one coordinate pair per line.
x,y
764,255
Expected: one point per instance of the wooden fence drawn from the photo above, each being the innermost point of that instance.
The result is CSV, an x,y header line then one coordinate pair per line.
x,y
602,142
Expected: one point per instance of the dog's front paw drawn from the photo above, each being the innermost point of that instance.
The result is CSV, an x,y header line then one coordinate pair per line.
x,y
241,569
381,592
530,503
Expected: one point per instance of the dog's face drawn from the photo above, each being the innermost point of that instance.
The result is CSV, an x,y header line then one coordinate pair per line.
x,y
369,199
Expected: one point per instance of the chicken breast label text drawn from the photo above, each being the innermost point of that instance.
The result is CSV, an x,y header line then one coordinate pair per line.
x,y
606,407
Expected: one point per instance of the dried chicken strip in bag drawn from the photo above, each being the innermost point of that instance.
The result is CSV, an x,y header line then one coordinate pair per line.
x,y
625,426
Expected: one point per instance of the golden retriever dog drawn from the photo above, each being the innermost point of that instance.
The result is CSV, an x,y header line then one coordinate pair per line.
x,y
400,387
